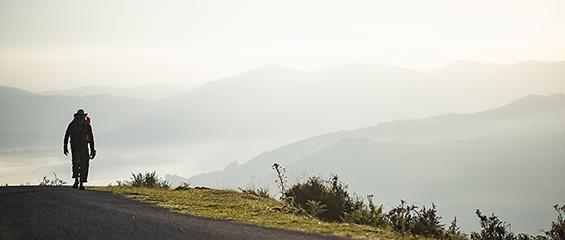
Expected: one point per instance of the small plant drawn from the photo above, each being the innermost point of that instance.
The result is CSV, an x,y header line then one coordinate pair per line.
x,y
492,228
315,208
402,217
495,229
259,192
427,223
523,236
148,179
52,182
366,214
281,179
454,232
184,186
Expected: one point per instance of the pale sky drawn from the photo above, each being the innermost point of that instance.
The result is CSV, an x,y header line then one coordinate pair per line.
x,y
47,45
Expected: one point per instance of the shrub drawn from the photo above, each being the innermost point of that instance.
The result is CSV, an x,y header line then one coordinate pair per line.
x,y
148,179
492,228
422,221
557,231
454,232
366,214
427,223
401,217
332,195
330,201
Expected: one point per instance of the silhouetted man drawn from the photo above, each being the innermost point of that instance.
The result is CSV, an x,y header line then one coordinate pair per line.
x,y
81,135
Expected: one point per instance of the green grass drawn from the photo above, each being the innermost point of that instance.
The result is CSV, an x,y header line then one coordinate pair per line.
x,y
246,208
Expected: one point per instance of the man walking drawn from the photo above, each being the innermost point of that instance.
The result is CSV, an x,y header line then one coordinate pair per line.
x,y
81,136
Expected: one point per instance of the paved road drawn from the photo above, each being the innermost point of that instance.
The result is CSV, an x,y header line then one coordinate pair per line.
x,y
64,213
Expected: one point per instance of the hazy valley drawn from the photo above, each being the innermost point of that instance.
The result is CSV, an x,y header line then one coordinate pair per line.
x,y
461,159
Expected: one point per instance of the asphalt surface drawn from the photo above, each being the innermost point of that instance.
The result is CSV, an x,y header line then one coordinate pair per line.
x,y
65,213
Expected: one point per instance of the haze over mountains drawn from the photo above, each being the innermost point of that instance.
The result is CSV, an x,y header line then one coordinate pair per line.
x,y
238,117
529,117
31,121
274,101
278,103
508,159
460,161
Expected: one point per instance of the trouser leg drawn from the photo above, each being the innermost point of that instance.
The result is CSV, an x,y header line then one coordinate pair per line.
x,y
84,165
76,164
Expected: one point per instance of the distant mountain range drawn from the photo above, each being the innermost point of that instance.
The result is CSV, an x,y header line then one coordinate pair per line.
x,y
272,101
526,118
276,104
459,161
31,120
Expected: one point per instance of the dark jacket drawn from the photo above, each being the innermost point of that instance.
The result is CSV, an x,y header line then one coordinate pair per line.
x,y
80,134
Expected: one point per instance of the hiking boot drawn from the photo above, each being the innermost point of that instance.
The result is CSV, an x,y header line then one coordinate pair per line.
x,y
81,187
75,186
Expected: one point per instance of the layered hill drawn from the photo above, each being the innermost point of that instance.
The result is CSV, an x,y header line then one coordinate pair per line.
x,y
461,162
526,118
30,120
275,102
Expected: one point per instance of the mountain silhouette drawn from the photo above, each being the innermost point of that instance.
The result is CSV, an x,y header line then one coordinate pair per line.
x,y
459,161
272,102
277,104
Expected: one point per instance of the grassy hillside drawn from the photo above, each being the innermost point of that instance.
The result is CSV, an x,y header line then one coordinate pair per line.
x,y
246,208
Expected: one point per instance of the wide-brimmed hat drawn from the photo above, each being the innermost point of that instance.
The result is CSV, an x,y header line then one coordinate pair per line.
x,y
80,112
